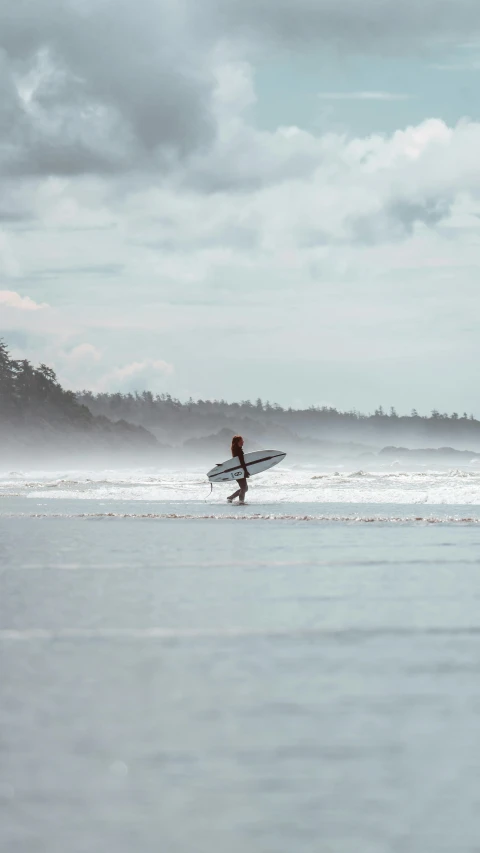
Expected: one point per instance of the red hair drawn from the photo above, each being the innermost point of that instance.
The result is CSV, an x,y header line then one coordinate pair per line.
x,y
235,447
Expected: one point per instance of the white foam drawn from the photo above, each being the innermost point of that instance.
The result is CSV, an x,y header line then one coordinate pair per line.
x,y
288,485
273,516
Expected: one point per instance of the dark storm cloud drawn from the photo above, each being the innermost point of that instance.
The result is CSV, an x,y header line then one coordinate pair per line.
x,y
106,86
113,86
376,25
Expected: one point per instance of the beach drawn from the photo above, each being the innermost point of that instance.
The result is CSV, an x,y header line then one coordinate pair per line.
x,y
295,674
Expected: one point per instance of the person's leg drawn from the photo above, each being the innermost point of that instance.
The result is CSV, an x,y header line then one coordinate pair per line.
x,y
243,490
240,493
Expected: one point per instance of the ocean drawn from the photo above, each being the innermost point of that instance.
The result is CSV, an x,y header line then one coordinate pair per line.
x,y
182,675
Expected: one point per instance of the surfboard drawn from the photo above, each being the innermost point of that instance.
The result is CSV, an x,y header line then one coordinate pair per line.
x,y
256,462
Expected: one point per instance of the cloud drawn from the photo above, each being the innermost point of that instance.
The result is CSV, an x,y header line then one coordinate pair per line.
x,y
397,218
258,193
140,366
357,26
147,97
84,352
296,184
11,299
363,96
100,88
150,195
137,376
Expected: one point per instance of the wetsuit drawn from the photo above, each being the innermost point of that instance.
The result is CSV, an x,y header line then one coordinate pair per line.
x,y
240,493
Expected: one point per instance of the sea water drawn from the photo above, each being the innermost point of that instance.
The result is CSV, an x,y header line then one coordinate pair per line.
x,y
294,675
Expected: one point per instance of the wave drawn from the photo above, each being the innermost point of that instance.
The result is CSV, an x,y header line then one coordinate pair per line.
x,y
353,519
159,633
456,487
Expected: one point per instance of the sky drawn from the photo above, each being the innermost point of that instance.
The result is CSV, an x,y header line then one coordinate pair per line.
x,y
244,198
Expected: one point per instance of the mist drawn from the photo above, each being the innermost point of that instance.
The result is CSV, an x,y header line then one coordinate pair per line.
x,y
42,424
202,429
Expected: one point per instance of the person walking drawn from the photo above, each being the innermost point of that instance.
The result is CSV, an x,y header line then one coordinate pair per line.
x,y
237,444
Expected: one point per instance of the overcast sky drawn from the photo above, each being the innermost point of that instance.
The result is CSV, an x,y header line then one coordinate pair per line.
x,y
243,198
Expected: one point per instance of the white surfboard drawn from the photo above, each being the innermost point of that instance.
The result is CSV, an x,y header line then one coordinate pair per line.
x,y
259,460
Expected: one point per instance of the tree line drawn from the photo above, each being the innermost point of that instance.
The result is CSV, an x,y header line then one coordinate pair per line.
x,y
175,420
147,402
32,401
29,394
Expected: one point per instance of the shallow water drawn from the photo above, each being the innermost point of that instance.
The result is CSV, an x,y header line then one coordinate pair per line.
x,y
175,680
280,485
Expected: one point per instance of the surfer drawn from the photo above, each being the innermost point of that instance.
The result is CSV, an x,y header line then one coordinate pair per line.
x,y
237,444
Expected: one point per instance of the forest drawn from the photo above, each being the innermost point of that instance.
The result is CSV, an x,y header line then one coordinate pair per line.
x,y
36,412
175,422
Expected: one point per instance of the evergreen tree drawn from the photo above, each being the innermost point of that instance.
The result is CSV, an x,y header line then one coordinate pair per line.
x,y
7,379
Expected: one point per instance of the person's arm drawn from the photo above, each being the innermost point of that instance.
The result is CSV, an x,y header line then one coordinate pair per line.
x,y
242,461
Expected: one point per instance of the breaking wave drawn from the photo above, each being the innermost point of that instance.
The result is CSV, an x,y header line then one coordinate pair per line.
x,y
352,519
454,487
